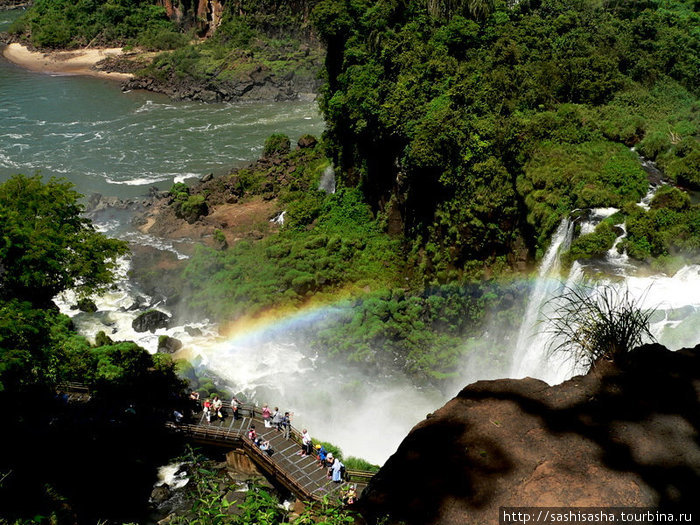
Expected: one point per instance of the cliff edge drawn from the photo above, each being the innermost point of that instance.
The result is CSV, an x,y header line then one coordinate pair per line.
x,y
623,435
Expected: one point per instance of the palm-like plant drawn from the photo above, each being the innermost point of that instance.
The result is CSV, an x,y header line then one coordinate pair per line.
x,y
588,323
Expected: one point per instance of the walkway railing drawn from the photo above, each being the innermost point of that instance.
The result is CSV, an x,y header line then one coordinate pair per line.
x,y
300,474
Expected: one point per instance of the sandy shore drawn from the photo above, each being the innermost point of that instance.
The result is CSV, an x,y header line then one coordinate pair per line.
x,y
78,62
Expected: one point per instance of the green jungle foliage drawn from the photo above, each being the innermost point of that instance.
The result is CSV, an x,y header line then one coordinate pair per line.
x,y
592,245
422,334
344,248
67,24
481,126
46,247
485,123
332,246
254,38
663,232
276,144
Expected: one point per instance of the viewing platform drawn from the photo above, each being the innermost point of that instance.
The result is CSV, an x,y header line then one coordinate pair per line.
x,y
301,475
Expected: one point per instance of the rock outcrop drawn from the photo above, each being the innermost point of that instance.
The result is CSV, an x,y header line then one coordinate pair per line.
x,y
150,320
261,84
168,345
622,435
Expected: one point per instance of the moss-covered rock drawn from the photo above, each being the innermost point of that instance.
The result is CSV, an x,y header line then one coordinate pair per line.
x,y
276,144
150,320
191,209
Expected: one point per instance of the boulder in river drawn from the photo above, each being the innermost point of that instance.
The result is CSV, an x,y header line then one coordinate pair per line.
x,y
307,141
168,345
87,305
160,493
150,320
193,331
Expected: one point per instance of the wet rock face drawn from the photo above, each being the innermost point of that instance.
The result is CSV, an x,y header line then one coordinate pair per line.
x,y
259,85
151,321
160,493
623,435
86,305
168,345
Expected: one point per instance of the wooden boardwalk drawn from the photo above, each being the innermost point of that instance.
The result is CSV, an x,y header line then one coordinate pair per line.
x,y
301,475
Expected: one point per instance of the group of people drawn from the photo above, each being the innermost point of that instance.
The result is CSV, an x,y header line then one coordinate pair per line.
x,y
214,407
275,419
259,442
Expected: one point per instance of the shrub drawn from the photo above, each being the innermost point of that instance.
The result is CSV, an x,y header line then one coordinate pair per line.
x,y
595,244
353,463
591,323
193,208
276,144
162,38
670,197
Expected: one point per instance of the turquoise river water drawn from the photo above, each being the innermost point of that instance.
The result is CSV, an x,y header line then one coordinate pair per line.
x,y
120,144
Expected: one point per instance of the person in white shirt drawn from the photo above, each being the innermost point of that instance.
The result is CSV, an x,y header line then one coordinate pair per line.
x,y
305,443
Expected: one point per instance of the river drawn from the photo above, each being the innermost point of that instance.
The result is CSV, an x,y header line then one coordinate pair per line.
x,y
120,144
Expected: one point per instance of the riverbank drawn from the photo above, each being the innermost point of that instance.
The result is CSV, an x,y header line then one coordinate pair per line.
x,y
78,62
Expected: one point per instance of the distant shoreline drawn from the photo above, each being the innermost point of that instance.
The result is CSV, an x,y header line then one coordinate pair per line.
x,y
75,62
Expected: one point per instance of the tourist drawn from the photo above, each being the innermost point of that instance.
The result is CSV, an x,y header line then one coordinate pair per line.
x,y
350,495
265,447
306,443
329,462
207,410
276,418
266,415
286,425
234,407
216,406
336,474
252,434
322,453
195,405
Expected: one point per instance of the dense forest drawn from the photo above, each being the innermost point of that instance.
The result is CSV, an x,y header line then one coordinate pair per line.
x,y
47,247
461,133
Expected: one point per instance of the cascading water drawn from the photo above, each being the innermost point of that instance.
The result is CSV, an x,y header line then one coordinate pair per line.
x,y
327,182
675,298
529,358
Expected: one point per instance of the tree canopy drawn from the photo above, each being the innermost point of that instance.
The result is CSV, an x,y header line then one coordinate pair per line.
x,y
46,246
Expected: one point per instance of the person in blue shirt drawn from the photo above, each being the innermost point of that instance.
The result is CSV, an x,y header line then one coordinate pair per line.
x,y
322,453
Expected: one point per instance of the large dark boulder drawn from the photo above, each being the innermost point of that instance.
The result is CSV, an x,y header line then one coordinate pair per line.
x,y
624,435
307,141
168,345
151,321
160,493
87,305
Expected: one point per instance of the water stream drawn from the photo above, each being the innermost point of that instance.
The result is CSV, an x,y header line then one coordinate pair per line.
x,y
675,299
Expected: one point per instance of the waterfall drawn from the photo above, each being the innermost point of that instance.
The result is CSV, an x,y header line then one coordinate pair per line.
x,y
529,357
327,182
676,299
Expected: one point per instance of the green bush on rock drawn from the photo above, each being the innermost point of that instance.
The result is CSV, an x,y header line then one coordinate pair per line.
x,y
276,144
